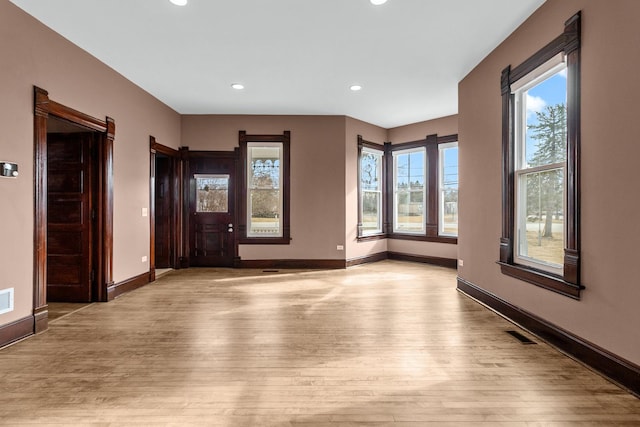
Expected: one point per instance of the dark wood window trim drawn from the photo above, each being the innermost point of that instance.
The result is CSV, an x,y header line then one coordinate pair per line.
x,y
362,143
43,108
285,139
430,143
569,283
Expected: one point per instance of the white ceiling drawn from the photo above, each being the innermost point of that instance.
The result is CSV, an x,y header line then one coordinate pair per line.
x,y
293,56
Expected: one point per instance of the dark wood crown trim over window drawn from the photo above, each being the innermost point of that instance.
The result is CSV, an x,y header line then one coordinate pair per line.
x,y
285,140
569,282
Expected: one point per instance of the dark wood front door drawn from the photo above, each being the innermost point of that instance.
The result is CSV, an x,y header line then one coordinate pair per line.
x,y
70,209
212,209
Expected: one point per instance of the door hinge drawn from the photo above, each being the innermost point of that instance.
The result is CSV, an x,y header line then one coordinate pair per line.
x,y
93,215
93,275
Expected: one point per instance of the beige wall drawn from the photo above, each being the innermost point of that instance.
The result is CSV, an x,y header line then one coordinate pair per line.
x,y
34,55
443,126
608,313
317,177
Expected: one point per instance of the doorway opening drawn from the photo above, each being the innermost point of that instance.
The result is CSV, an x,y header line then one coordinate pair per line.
x,y
71,211
165,208
73,239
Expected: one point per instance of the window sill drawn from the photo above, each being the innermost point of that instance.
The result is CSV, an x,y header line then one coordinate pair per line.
x,y
542,279
371,237
264,241
422,238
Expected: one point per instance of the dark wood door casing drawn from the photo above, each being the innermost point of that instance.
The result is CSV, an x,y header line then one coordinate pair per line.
x,y
166,193
103,242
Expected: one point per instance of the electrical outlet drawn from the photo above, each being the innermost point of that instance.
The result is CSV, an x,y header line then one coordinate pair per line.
x,y
145,212
144,258
340,247
460,263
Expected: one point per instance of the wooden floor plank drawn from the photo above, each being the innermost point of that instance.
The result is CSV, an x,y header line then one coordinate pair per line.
x,y
390,343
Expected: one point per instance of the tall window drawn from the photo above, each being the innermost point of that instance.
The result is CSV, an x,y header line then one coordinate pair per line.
x,y
448,185
371,195
540,143
409,190
264,198
541,147
265,188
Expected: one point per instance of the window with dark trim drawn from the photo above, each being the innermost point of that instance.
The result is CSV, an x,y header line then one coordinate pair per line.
x,y
541,162
264,189
371,189
411,207
448,188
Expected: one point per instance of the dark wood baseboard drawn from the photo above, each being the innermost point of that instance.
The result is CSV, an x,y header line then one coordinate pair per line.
x,y
41,319
442,262
615,368
16,330
322,264
367,259
128,285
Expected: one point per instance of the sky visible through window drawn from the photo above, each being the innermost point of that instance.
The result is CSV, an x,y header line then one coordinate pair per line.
x,y
550,92
450,179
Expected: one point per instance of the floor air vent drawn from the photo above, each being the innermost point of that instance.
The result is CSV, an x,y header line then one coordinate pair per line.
x,y
270,271
520,337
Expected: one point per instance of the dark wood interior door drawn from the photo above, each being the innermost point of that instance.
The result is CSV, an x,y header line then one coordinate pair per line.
x,y
163,212
69,217
212,209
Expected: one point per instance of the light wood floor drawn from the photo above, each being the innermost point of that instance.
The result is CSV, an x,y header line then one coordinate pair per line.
x,y
57,310
390,343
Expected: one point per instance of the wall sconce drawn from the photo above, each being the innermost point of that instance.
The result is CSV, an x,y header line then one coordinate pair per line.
x,y
8,169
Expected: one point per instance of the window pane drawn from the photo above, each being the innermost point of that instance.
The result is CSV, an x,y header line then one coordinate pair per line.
x,y
265,212
212,193
370,191
371,209
264,196
449,190
371,164
541,216
409,184
545,121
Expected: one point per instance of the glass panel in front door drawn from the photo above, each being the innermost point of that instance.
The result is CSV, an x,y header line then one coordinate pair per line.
x,y
212,193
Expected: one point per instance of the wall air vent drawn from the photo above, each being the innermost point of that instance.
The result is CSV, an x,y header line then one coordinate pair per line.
x,y
6,300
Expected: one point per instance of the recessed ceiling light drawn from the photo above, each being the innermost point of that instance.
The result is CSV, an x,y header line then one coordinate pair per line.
x,y
378,2
355,88
237,86
181,2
